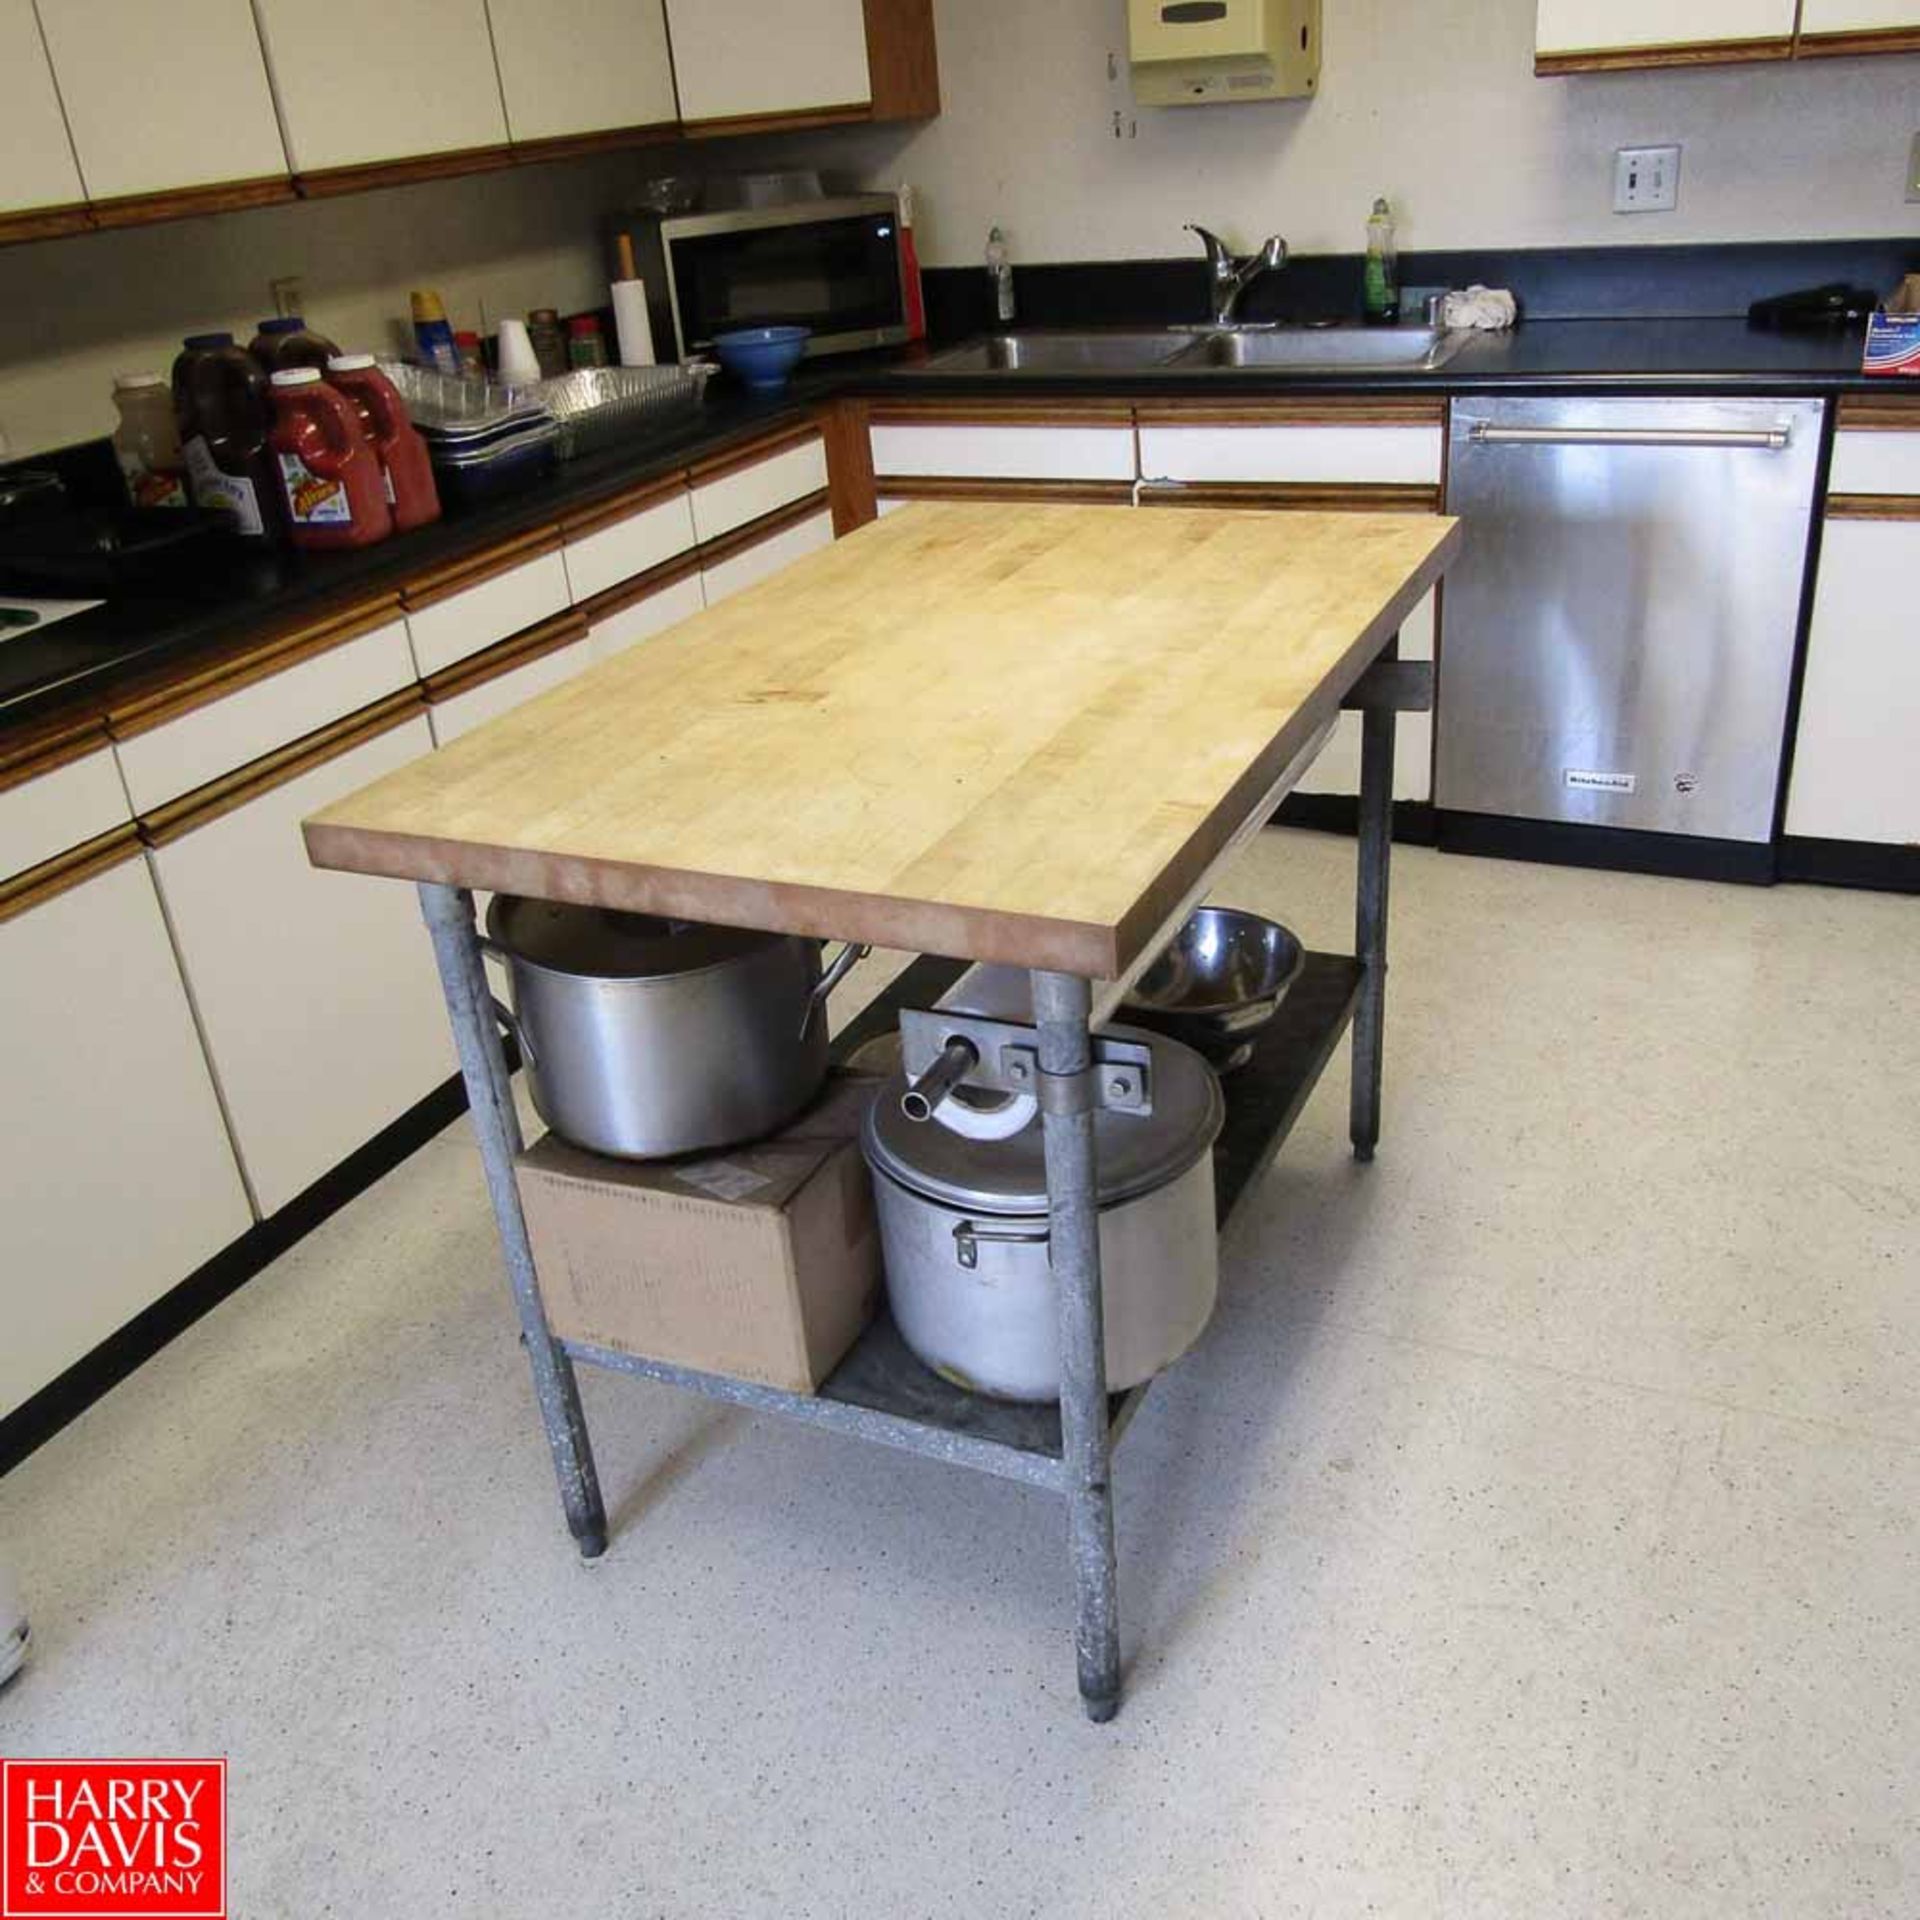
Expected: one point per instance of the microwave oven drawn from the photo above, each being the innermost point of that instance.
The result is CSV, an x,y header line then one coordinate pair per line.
x,y
832,265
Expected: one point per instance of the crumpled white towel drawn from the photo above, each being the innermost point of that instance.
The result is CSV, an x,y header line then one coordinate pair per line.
x,y
1490,309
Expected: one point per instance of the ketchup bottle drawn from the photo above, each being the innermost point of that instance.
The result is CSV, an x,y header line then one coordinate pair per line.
x,y
404,460
329,472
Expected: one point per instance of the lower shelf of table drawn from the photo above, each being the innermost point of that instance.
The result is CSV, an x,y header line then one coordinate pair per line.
x,y
880,1392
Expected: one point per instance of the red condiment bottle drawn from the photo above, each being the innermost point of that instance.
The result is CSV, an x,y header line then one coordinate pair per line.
x,y
329,472
405,464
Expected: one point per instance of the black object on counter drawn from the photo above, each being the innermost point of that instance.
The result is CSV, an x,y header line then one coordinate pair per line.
x,y
97,554
1815,309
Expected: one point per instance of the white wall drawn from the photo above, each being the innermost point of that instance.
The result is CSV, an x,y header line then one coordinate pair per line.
x,y
1431,101
75,312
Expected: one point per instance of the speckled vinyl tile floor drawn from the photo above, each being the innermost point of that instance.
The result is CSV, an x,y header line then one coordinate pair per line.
x,y
1535,1533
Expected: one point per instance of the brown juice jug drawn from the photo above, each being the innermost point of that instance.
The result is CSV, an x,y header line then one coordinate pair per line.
x,y
224,409
290,342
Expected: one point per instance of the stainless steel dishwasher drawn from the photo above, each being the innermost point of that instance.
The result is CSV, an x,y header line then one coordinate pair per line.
x,y
1620,627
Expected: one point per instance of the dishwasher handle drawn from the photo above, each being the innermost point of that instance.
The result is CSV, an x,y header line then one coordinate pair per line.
x,y
1758,439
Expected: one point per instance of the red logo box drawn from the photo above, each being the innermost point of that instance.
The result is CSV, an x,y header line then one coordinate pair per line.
x,y
113,1840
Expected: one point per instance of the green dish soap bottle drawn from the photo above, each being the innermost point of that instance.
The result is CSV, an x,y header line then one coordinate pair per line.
x,y
1383,266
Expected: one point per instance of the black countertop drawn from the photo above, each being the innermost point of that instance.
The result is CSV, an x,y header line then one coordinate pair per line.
x,y
77,662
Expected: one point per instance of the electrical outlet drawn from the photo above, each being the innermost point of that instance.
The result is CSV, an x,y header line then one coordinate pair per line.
x,y
287,295
1646,179
1913,170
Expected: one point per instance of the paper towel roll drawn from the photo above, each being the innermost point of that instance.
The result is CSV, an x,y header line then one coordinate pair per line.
x,y
630,323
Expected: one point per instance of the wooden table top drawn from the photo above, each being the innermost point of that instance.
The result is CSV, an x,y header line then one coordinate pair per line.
x,y
997,732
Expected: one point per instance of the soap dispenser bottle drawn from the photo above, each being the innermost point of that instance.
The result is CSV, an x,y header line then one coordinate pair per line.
x,y
1383,266
1000,273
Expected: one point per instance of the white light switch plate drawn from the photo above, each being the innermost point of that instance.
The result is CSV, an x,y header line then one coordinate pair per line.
x,y
1646,179
1913,170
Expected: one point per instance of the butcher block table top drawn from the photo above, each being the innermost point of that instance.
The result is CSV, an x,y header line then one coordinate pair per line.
x,y
996,732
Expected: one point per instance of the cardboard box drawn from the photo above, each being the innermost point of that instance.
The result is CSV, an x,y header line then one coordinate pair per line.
x,y
762,1262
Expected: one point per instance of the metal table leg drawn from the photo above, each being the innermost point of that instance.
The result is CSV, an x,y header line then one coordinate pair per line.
x,y
1377,726
1061,1005
496,1123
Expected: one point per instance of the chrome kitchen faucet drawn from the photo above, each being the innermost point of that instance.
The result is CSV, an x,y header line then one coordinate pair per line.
x,y
1228,278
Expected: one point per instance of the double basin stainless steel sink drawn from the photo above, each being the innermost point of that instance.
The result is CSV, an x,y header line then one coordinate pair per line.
x,y
1273,349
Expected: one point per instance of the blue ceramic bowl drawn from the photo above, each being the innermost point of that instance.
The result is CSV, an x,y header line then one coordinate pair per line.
x,y
762,358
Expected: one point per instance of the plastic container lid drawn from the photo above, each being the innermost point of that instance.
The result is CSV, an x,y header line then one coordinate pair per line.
x,y
126,382
196,342
282,323
296,376
584,323
601,944
1135,1152
349,362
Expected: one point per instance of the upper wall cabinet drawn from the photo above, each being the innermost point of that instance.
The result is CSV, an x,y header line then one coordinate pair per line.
x,y
1859,26
36,159
163,98
582,66
1576,34
363,81
737,58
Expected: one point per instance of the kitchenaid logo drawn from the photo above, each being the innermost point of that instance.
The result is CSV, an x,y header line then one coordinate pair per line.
x,y
113,1839
1602,782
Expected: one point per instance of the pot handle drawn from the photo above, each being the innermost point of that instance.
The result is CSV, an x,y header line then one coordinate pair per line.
x,y
849,957
505,1015
967,1237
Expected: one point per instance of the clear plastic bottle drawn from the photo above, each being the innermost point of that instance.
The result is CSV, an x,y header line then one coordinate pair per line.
x,y
1000,272
1383,264
147,442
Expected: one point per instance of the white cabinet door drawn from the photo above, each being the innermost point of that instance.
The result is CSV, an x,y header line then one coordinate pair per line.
x,y
765,558
750,493
912,449
580,66
54,811
118,1179
505,691
1305,455
37,167
603,559
1597,26
163,97
1858,744
505,603
365,80
1858,16
316,991
641,619
734,57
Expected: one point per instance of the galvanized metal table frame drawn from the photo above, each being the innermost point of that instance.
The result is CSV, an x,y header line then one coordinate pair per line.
x,y
874,1395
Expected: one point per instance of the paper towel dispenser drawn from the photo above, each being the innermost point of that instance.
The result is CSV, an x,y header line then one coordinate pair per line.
x,y
1191,53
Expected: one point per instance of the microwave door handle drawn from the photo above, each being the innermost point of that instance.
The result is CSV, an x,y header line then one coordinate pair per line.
x,y
1760,440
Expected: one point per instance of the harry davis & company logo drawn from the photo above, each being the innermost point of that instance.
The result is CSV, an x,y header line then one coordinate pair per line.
x,y
113,1840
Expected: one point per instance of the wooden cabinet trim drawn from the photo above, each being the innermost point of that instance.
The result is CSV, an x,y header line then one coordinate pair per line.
x,y
574,146
474,569
324,183
40,884
629,593
508,655
1356,410
853,111
1880,413
1824,46
903,59
1082,493
624,506
29,754
767,527
736,459
180,817
1294,496
168,693
187,203
1699,53
1873,506
849,442
991,413
45,223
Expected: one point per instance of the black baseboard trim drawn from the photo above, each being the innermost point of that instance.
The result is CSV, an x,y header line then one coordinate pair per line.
x,y
1340,813
1616,849
1851,863
62,1400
